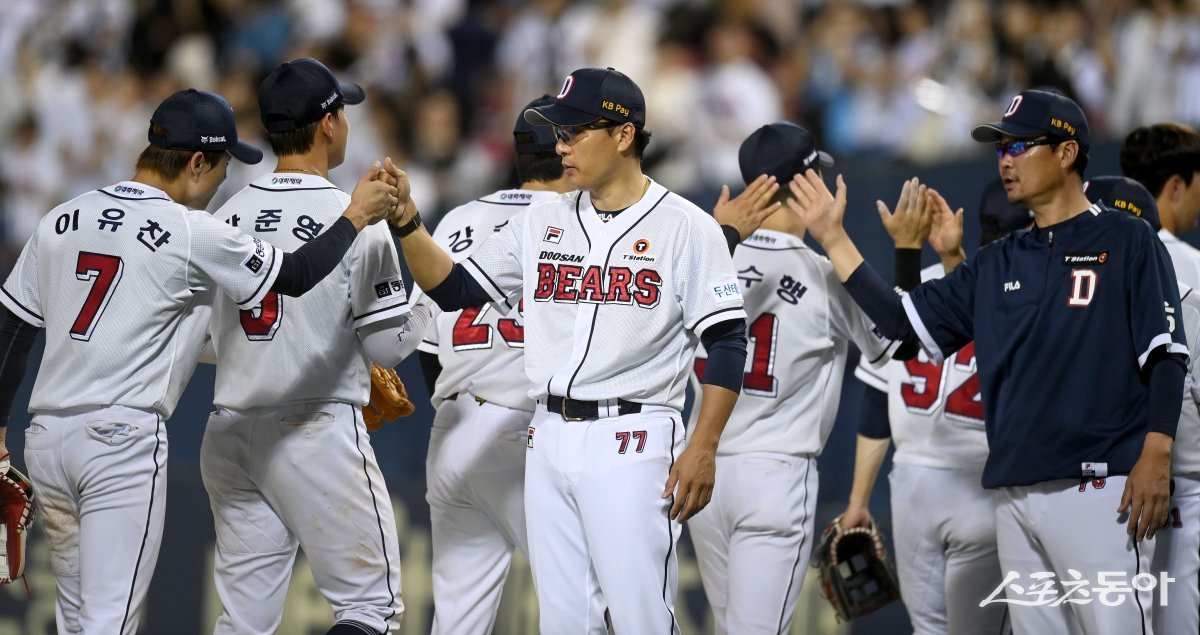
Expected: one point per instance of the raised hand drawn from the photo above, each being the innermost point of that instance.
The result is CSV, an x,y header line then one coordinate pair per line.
x,y
373,198
909,224
819,209
946,229
747,212
404,208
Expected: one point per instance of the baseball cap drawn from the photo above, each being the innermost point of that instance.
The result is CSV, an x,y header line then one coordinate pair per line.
x,y
589,94
1126,195
300,92
200,121
997,217
1034,113
781,150
531,139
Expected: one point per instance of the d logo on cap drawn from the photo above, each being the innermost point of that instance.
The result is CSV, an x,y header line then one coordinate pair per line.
x,y
1012,108
566,88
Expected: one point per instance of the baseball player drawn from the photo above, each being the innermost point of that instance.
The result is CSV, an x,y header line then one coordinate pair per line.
x,y
944,527
620,281
1079,434
119,278
476,464
1177,553
1165,158
270,429
754,539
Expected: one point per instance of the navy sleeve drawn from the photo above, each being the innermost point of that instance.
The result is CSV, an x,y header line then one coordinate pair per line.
x,y
458,291
1155,312
908,268
1166,392
302,269
16,339
725,343
942,311
873,421
732,237
880,303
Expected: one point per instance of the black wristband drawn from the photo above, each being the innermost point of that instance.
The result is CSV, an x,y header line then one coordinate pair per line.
x,y
732,237
407,228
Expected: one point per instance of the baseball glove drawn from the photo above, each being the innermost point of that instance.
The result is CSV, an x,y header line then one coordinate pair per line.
x,y
389,399
855,575
17,510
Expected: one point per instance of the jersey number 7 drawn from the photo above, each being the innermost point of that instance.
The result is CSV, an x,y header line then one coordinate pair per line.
x,y
105,273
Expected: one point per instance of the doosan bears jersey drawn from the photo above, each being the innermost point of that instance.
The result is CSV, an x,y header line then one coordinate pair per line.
x,y
314,332
801,322
1185,458
654,277
934,410
126,268
1084,303
480,349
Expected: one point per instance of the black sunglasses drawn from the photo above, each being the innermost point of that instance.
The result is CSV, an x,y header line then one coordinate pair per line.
x,y
567,134
1018,147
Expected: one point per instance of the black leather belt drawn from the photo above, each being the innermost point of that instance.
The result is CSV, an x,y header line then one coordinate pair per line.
x,y
576,410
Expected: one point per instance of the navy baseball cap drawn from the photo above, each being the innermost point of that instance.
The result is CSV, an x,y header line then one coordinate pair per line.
x,y
531,139
200,121
997,217
1126,195
590,94
300,92
1034,113
781,150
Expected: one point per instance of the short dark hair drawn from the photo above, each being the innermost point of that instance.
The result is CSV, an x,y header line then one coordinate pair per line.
x,y
1151,155
539,166
300,140
641,139
170,164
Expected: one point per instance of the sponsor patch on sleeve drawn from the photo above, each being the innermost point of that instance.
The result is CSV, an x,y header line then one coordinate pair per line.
x,y
726,289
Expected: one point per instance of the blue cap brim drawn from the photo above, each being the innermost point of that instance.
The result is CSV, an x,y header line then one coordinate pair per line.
x,y
558,115
246,153
990,132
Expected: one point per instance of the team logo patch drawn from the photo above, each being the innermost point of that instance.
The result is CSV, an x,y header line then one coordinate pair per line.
x,y
383,290
566,87
1074,260
641,246
553,235
253,263
1014,106
529,438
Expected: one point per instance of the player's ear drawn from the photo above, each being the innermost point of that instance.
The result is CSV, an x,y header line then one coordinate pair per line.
x,y
1070,152
327,124
195,165
625,135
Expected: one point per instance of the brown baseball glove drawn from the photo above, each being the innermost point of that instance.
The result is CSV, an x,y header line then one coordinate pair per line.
x,y
17,511
856,577
389,399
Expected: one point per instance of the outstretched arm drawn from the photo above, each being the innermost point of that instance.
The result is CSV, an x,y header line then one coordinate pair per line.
x,y
743,215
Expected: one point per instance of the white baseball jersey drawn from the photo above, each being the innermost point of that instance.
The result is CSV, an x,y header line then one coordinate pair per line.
x,y
127,269
935,411
1184,257
801,320
315,332
1186,454
651,279
480,348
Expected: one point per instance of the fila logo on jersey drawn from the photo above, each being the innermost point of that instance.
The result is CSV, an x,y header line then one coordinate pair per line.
x,y
1015,285
1070,260
553,235
570,284
1083,287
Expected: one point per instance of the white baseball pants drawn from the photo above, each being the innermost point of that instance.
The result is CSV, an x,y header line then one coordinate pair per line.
x,y
598,528
754,540
944,529
1055,527
299,476
1178,555
476,491
101,482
